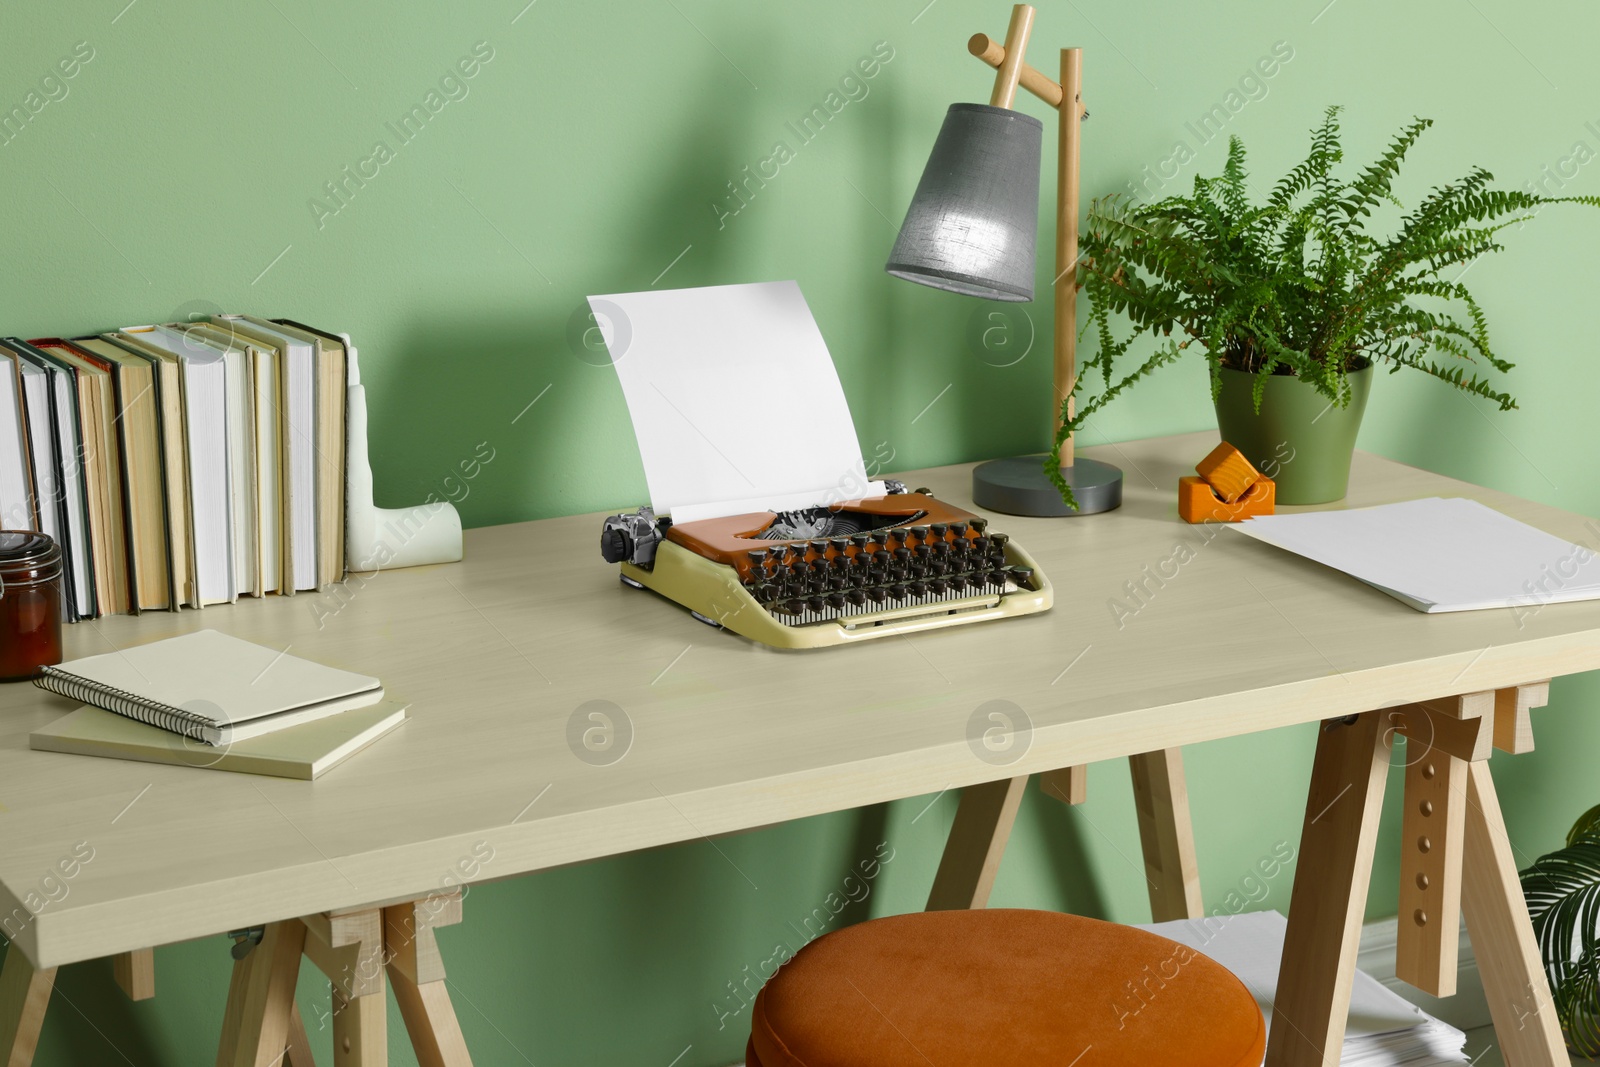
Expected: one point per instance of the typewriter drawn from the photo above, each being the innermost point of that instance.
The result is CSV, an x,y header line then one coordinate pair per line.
x,y
830,575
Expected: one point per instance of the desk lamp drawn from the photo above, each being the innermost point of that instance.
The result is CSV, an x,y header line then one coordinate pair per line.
x,y
970,229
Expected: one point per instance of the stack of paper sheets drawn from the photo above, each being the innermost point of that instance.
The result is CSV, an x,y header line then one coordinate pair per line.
x,y
1439,554
1383,1028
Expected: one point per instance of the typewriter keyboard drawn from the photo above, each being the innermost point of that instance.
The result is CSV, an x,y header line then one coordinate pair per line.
x,y
803,582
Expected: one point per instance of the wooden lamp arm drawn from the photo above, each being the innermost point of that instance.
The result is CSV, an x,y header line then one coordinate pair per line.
x,y
1030,78
1010,66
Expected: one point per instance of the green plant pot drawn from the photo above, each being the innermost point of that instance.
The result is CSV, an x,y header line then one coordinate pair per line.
x,y
1298,439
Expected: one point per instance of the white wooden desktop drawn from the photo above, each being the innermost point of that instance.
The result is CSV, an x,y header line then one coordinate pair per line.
x,y
495,654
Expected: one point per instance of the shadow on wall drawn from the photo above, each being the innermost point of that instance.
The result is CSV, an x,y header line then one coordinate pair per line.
x,y
524,383
1061,836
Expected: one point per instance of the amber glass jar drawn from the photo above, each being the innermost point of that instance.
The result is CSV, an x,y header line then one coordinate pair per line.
x,y
30,604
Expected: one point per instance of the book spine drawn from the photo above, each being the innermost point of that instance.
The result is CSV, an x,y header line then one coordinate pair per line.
x,y
130,705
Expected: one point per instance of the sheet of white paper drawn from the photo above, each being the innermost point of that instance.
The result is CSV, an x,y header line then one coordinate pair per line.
x,y
1383,1028
734,398
1439,554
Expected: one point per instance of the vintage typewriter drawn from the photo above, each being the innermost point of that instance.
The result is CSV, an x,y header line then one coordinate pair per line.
x,y
787,540
831,575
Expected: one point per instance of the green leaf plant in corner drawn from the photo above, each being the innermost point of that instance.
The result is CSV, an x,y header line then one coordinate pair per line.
x,y
1296,285
1563,893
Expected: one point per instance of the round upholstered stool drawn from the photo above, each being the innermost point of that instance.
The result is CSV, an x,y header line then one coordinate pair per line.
x,y
1002,987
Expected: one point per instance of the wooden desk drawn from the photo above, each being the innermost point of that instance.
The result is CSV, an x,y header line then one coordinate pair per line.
x,y
501,655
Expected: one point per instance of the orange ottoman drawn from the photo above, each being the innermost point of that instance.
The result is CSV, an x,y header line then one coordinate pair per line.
x,y
1002,987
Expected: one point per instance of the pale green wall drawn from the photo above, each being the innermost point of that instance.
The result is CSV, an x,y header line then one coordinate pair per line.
x,y
584,159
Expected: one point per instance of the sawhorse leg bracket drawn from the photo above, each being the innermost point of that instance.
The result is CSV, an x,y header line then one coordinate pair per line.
x,y
362,952
1456,859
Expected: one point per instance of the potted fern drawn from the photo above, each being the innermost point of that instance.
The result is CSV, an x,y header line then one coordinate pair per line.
x,y
1563,893
1294,302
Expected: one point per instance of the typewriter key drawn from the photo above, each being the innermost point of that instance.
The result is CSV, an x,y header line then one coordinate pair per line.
x,y
877,594
979,525
937,529
1021,575
836,601
957,582
917,588
816,603
856,598
959,529
937,586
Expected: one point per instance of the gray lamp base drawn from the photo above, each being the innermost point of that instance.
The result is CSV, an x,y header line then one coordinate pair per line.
x,y
1018,486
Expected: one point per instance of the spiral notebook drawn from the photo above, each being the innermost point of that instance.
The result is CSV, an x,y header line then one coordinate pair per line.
x,y
211,687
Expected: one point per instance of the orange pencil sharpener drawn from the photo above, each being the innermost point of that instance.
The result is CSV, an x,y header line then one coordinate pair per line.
x,y
1198,502
1225,488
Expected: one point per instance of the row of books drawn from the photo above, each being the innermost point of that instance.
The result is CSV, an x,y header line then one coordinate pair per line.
x,y
178,465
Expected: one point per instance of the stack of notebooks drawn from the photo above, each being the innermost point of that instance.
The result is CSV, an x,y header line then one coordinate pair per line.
x,y
1383,1028
179,465
214,701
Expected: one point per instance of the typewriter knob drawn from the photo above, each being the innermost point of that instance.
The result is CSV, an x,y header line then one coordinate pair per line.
x,y
836,600
877,594
937,586
839,544
615,545
999,540
979,525
860,541
959,529
923,491
957,582
917,588
856,597
1021,575
816,603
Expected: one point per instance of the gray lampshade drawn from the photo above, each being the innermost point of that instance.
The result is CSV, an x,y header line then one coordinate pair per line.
x,y
971,225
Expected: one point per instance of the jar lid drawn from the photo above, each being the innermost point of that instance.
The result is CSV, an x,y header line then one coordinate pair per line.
x,y
27,555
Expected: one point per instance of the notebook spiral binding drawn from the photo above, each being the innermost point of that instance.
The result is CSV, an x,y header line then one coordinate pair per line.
x,y
175,720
